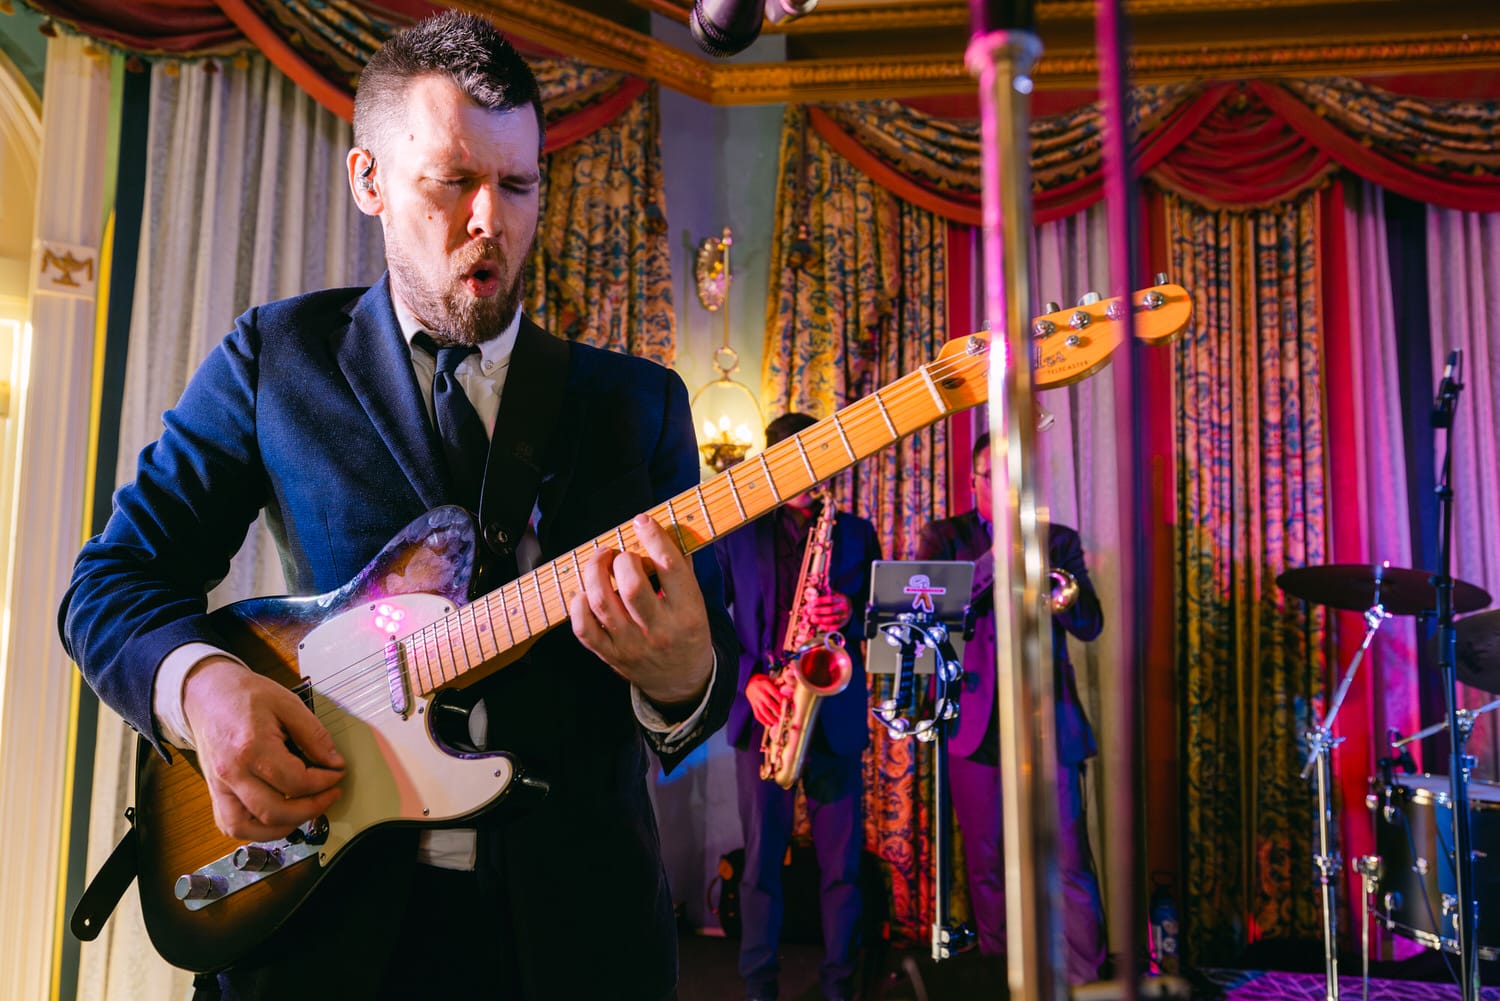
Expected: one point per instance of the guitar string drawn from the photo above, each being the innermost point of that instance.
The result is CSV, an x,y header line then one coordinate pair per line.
x,y
363,685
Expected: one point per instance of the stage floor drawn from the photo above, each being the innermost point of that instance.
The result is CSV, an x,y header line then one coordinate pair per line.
x,y
708,973
1265,985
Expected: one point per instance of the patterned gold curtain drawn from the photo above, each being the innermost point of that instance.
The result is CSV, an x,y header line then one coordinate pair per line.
x,y
601,268
854,305
1250,504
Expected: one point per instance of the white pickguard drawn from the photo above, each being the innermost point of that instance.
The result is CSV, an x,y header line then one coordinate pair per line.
x,y
395,769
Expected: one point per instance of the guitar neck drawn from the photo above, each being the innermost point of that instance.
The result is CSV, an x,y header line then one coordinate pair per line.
x,y
515,614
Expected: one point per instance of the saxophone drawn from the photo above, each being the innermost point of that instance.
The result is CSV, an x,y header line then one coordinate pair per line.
x,y
815,662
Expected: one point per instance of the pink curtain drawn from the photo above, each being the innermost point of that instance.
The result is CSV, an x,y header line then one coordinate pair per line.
x,y
1463,268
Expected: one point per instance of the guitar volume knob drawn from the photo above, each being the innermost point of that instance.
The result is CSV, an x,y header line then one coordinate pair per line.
x,y
254,858
196,886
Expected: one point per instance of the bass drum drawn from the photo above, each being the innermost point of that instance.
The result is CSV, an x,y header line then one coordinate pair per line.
x,y
1414,838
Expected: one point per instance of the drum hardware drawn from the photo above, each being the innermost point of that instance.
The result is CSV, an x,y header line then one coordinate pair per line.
x,y
1465,719
1382,590
1368,868
1320,744
1446,873
1379,590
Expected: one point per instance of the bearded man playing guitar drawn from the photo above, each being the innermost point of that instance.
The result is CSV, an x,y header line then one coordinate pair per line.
x,y
327,412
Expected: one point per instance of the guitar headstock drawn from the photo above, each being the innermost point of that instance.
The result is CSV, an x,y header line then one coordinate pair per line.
x,y
1072,344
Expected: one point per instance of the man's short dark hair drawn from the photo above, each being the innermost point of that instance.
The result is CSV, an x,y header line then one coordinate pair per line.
x,y
787,425
465,48
981,443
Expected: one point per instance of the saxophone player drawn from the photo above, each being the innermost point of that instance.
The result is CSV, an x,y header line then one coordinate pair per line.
x,y
974,749
763,564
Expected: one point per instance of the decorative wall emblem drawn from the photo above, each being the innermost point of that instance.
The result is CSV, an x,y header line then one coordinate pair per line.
x,y
67,269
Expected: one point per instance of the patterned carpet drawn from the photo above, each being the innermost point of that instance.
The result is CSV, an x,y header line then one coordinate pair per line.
x,y
1242,985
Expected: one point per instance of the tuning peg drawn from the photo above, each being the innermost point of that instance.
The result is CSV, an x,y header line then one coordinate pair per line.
x,y
1051,307
1089,298
1161,278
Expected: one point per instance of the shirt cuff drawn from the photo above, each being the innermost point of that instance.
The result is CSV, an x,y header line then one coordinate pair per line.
x,y
651,718
166,693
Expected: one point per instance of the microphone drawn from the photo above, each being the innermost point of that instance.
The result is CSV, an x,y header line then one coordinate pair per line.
x,y
1442,406
727,27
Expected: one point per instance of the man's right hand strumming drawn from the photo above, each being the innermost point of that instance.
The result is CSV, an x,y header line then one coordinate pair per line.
x,y
244,727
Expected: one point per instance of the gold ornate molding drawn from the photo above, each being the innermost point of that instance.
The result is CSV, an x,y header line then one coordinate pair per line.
x,y
1356,58
1086,9
555,24
914,14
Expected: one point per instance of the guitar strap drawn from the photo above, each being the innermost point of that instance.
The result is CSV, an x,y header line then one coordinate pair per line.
x,y
107,887
529,406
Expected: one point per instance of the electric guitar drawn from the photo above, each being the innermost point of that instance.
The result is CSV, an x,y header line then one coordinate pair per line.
x,y
375,657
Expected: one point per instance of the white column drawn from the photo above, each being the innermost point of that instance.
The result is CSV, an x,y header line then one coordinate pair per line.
x,y
38,679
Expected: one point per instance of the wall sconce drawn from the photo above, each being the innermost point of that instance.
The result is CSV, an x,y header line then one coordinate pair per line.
x,y
725,412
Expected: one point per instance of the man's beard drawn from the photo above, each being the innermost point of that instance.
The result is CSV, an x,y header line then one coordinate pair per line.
x,y
450,313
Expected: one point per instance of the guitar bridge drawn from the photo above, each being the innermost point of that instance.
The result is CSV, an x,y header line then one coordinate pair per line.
x,y
246,866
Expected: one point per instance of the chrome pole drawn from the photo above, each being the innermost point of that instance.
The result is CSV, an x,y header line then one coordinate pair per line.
x,y
1002,51
1123,859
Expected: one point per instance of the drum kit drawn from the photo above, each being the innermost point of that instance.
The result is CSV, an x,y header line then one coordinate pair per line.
x,y
1413,886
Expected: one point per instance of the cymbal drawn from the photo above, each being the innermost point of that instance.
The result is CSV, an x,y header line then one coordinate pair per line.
x,y
1476,650
1354,586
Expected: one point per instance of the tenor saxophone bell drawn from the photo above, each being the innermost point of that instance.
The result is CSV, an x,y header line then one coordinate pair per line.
x,y
820,669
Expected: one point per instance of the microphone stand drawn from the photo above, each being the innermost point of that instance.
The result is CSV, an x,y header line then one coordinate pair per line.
x,y
1466,915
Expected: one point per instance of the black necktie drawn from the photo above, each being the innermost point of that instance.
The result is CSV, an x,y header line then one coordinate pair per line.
x,y
466,445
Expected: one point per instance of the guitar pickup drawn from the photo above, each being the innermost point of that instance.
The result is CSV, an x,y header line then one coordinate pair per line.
x,y
395,677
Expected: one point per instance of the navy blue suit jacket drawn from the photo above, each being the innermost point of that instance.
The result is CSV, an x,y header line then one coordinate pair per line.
x,y
309,409
963,537
748,557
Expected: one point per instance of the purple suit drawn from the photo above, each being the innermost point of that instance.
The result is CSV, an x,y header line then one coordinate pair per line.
x,y
973,750
832,778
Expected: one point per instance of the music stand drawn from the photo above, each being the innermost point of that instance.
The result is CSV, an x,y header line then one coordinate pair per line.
x,y
916,620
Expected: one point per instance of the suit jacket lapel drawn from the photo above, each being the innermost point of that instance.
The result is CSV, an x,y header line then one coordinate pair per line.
x,y
374,357
560,457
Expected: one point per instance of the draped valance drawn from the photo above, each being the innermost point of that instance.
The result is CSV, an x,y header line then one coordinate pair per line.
x,y
323,44
1225,144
